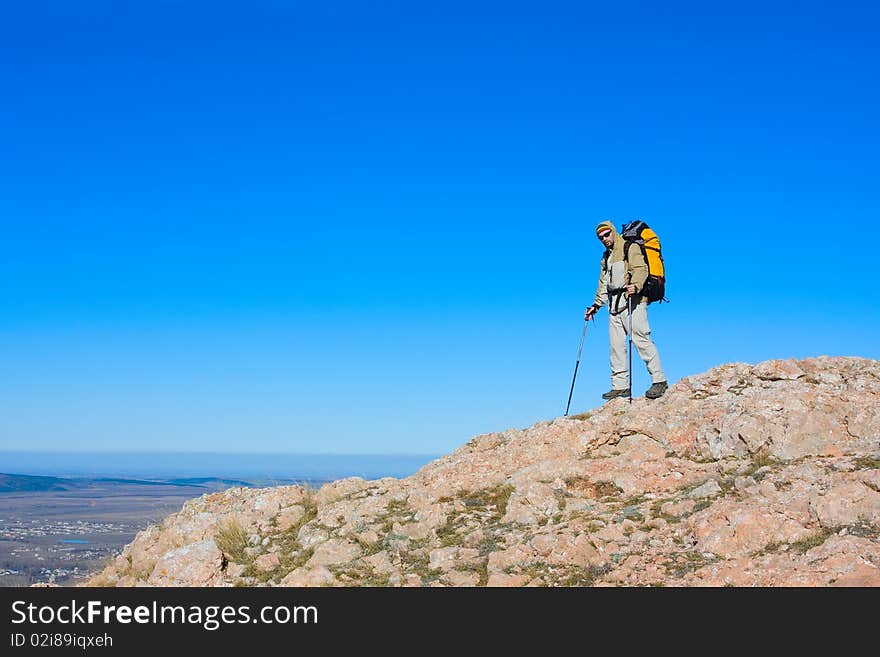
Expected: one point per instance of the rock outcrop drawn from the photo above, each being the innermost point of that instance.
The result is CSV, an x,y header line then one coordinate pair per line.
x,y
746,475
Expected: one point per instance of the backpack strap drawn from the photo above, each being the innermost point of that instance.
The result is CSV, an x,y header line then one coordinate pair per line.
x,y
614,295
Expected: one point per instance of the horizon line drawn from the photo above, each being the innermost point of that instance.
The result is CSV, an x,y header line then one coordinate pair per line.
x,y
219,453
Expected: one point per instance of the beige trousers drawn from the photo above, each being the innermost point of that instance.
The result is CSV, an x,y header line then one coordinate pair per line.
x,y
618,328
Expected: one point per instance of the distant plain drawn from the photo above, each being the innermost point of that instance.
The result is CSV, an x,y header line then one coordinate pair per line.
x,y
60,536
71,513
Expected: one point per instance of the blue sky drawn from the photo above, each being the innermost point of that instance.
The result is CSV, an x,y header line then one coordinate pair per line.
x,y
368,227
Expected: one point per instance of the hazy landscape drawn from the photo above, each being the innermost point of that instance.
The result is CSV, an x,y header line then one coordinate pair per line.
x,y
58,529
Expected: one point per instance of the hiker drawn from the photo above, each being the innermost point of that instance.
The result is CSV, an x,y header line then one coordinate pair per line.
x,y
621,280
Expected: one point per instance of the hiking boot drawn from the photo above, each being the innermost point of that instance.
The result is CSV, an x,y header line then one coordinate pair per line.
x,y
656,390
611,394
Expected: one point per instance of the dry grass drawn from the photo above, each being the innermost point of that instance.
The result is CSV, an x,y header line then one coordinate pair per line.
x,y
232,540
594,490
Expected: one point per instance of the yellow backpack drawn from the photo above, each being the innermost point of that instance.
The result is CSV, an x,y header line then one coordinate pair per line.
x,y
638,232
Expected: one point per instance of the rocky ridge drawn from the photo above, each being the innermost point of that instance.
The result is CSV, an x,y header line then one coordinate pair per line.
x,y
745,475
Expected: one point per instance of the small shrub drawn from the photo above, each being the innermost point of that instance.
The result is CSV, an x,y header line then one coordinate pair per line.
x,y
866,463
701,505
815,540
762,457
496,497
684,563
592,490
232,540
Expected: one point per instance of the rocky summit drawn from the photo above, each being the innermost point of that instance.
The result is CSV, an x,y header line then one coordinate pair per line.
x,y
746,475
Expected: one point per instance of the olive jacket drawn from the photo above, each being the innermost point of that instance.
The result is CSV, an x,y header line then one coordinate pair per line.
x,y
616,272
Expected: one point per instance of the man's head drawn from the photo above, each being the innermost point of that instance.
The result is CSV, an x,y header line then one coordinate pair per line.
x,y
605,233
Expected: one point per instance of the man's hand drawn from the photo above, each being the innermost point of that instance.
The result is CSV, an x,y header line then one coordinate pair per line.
x,y
588,315
630,290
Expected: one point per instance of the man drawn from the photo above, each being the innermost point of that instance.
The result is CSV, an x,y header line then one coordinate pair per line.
x,y
621,281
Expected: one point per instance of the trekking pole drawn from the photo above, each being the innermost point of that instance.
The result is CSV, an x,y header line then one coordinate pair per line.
x,y
629,303
578,362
